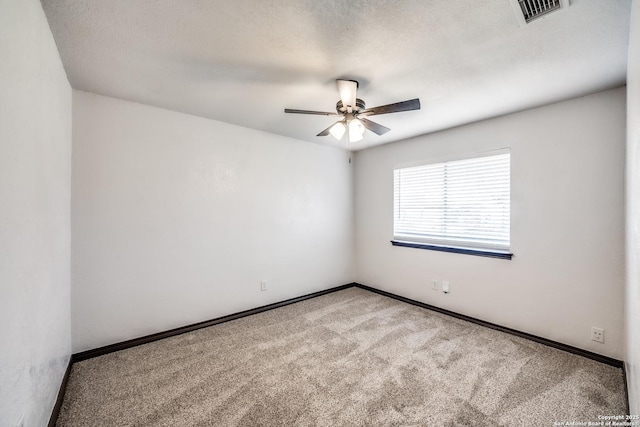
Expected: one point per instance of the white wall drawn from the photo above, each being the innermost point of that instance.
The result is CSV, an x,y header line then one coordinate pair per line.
x,y
176,219
35,169
567,229
632,309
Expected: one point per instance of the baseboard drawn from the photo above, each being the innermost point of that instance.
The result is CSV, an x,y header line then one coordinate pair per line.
x,y
63,387
184,329
626,387
101,351
77,357
560,346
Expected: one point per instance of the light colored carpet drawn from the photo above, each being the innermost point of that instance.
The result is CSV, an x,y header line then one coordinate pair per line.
x,y
350,358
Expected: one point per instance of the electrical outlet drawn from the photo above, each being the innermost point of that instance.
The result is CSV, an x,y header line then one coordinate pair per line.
x,y
435,285
263,285
20,422
597,334
445,287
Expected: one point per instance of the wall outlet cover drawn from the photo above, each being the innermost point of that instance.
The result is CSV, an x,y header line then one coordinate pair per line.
x,y
445,287
597,334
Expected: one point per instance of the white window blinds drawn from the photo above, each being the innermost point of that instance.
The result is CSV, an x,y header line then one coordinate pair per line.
x,y
462,204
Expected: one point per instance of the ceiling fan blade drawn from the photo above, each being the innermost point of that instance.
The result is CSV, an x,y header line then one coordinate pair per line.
x,y
412,104
327,130
347,90
318,113
374,127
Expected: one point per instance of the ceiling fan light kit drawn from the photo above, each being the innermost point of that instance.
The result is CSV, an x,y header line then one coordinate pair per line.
x,y
354,112
356,130
337,130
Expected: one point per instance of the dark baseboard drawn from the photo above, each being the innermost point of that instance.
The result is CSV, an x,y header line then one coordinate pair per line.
x,y
101,351
575,350
557,345
77,357
63,387
626,387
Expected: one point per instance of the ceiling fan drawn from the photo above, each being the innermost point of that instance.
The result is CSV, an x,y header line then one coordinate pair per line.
x,y
354,113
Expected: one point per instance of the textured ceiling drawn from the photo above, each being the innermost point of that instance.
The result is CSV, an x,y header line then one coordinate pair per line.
x,y
244,61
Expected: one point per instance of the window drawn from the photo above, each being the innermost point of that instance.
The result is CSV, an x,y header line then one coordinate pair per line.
x,y
458,206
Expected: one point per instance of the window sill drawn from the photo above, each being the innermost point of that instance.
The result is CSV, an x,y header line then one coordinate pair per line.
x,y
465,251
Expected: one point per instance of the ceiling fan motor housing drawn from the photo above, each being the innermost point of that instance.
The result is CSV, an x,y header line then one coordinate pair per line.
x,y
360,105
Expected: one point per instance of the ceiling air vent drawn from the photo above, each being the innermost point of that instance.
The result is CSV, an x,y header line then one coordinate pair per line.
x,y
532,9
528,10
